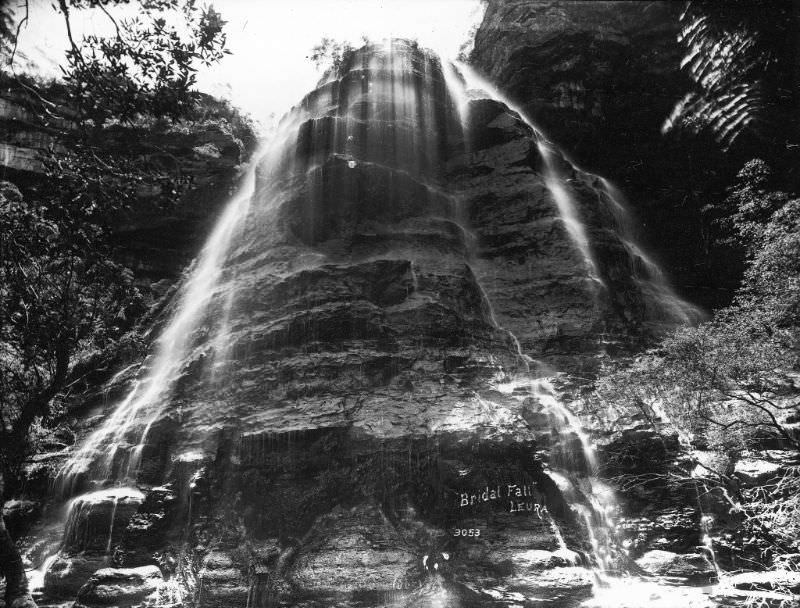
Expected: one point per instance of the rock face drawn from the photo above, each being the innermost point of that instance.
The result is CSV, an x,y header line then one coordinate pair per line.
x,y
344,409
120,587
95,526
601,78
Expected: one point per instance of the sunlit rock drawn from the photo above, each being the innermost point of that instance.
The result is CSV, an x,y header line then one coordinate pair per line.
x,y
119,587
690,566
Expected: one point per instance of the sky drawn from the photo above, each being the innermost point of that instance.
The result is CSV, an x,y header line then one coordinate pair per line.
x,y
270,40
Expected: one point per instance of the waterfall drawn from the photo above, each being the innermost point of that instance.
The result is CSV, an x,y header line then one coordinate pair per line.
x,y
556,184
590,499
143,405
649,275
355,179
466,84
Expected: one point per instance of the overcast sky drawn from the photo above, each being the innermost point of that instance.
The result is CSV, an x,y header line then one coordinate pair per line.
x,y
269,69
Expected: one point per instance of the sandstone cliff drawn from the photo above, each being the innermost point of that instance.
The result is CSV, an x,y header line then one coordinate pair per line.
x,y
601,78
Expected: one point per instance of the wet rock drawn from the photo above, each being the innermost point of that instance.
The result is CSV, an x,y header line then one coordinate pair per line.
x,y
221,582
579,70
96,521
759,468
674,530
692,566
774,589
19,514
343,389
351,550
558,585
68,573
119,587
491,124
638,450
146,528
752,472
537,559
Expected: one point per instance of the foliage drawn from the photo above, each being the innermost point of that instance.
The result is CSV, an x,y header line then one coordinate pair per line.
x,y
739,56
60,297
732,384
148,66
731,381
332,53
776,508
751,204
717,383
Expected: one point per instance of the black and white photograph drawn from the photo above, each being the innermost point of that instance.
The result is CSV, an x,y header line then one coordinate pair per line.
x,y
399,304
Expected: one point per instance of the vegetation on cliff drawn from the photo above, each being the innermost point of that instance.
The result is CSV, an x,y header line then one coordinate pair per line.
x,y
730,386
64,296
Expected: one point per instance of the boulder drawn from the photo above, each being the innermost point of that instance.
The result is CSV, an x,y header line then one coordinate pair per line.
x,y
68,573
221,582
773,580
759,468
773,589
119,587
562,585
96,521
692,566
538,559
19,514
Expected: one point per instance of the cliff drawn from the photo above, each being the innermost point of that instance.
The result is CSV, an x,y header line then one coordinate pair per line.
x,y
352,401
601,78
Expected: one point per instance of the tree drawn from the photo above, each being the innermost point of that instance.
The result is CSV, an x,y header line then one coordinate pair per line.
x,y
736,370
148,67
731,383
332,53
62,297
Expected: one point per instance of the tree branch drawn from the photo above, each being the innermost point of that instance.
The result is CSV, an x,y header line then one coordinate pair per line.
x,y
22,22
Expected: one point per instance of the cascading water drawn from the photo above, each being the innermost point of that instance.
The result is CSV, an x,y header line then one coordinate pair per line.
x,y
143,404
660,297
591,499
343,298
107,456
